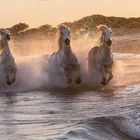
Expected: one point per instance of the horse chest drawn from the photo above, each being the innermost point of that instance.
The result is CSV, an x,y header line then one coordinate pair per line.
x,y
104,56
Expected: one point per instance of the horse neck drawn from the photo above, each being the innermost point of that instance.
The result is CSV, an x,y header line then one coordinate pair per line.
x,y
106,51
6,50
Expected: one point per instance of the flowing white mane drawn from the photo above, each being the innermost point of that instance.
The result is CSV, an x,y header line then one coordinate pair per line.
x,y
102,27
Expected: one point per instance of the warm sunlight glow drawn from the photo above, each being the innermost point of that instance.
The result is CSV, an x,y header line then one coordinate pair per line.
x,y
39,12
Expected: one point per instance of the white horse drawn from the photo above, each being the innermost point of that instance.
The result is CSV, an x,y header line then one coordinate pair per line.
x,y
7,63
100,58
64,61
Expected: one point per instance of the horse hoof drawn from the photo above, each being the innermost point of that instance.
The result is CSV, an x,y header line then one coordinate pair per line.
x,y
78,80
9,83
103,83
69,81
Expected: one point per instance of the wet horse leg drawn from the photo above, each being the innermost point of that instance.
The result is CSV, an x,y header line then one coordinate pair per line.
x,y
103,82
110,76
67,73
107,70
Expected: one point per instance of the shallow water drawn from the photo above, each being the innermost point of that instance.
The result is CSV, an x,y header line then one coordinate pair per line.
x,y
80,113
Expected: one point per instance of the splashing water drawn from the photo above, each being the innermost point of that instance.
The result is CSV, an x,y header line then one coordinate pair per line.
x,y
72,113
32,58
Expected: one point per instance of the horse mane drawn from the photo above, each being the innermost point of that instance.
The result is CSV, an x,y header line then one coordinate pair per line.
x,y
102,27
101,40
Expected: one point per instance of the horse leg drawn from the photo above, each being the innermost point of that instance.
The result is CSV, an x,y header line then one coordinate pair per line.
x,y
78,80
103,82
78,75
109,71
69,79
110,77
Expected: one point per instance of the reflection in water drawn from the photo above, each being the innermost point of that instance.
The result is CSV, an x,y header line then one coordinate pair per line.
x,y
7,101
52,114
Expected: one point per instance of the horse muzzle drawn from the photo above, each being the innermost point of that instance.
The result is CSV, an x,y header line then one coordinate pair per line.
x,y
67,41
11,82
109,42
8,37
78,80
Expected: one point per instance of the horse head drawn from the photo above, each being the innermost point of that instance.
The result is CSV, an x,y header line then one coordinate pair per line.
x,y
5,34
106,35
64,35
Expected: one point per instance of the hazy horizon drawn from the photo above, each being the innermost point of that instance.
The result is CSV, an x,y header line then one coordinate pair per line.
x,y
40,12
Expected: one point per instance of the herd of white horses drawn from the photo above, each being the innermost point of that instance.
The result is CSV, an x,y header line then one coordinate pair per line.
x,y
64,62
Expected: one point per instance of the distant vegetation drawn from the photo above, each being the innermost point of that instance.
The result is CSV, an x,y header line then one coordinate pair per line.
x,y
88,23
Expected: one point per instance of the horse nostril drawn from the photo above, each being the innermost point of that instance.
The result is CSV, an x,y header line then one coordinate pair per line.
x,y
78,80
67,41
109,42
9,83
8,37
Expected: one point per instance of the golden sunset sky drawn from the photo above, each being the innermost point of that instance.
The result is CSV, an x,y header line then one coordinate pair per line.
x,y
40,12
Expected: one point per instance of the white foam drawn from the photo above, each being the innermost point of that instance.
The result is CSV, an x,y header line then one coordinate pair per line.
x,y
129,127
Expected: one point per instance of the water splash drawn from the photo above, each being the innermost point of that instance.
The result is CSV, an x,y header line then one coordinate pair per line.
x,y
32,58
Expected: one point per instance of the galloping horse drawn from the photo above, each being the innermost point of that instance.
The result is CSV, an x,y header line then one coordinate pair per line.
x,y
64,60
100,58
7,63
